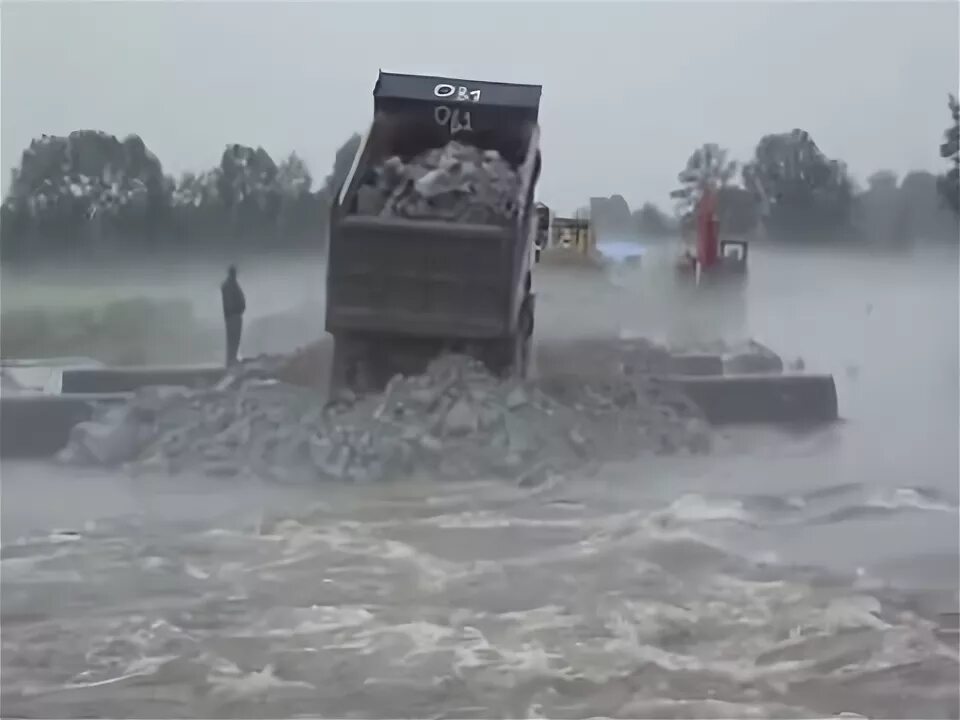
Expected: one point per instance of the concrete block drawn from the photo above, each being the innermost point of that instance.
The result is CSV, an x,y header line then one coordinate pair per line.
x,y
129,379
786,398
698,364
38,425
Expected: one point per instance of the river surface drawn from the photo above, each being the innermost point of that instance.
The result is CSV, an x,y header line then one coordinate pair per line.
x,y
786,574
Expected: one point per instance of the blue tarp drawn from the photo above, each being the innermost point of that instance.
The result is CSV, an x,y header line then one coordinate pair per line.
x,y
620,250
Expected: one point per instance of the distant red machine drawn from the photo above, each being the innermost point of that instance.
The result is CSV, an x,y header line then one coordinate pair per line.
x,y
708,230
712,256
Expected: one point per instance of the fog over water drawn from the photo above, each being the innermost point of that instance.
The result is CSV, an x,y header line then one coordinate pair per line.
x,y
783,574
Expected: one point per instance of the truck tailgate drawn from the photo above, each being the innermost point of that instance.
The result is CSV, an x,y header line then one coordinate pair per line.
x,y
420,277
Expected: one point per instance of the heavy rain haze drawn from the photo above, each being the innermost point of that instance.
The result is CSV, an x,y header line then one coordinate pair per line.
x,y
587,541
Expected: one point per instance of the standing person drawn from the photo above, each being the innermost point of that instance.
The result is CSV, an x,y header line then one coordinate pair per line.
x,y
234,305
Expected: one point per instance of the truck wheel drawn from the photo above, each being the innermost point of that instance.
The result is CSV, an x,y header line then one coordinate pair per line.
x,y
516,356
498,356
524,339
349,368
523,357
339,367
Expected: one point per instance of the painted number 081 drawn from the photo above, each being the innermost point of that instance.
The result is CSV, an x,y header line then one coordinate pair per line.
x,y
458,93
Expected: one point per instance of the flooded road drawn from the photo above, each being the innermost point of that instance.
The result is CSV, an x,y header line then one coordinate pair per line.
x,y
784,575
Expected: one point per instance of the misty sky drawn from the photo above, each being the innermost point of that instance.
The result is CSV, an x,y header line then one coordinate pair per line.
x,y
629,89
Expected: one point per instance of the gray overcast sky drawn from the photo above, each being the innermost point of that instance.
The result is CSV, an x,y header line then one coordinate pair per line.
x,y
629,88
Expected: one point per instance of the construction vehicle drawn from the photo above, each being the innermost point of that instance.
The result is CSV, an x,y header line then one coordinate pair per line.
x,y
401,291
570,237
562,232
574,233
713,260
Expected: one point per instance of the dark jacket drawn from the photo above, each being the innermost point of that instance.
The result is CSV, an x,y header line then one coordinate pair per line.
x,y
234,302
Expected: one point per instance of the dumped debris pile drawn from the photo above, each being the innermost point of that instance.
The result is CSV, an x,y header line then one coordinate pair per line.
x,y
455,421
457,182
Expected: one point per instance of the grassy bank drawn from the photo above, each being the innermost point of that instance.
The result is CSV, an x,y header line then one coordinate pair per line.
x,y
132,331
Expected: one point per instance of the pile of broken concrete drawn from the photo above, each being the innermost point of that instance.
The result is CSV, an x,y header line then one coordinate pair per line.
x,y
458,183
455,421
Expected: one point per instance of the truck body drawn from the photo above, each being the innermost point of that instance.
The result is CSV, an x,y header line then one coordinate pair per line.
x,y
399,290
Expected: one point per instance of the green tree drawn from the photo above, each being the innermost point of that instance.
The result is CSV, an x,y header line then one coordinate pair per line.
x,y
928,217
293,177
803,193
949,183
653,222
738,211
880,214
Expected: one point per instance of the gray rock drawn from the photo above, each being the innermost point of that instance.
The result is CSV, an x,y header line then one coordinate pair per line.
x,y
228,382
221,468
426,397
461,419
519,436
346,396
578,441
754,359
319,449
336,463
215,452
431,443
7,382
534,476
360,474
489,417
458,182
105,443
516,398
667,443
512,460
410,433
699,439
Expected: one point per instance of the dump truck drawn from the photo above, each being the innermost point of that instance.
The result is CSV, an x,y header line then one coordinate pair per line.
x,y
404,286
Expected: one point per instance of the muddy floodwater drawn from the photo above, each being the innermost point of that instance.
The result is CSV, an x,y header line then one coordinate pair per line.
x,y
786,574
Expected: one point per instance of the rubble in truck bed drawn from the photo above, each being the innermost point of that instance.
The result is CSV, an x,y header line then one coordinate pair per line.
x,y
458,182
453,422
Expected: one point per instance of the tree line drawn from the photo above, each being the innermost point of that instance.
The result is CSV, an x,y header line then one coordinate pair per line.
x,y
790,190
90,191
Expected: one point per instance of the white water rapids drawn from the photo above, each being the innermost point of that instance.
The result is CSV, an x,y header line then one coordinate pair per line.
x,y
784,575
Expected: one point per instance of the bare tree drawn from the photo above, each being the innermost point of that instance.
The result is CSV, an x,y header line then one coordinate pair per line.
x,y
708,166
949,183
